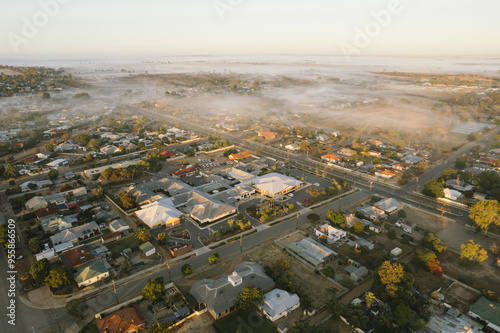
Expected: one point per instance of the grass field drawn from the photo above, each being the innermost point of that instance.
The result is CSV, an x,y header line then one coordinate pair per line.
x,y
122,244
245,323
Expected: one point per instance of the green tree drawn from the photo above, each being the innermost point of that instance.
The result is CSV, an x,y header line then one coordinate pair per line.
x,y
377,160
33,244
328,271
249,299
305,146
32,186
258,151
45,95
214,258
162,237
157,144
434,188
402,213
95,144
402,315
143,235
48,147
82,139
358,227
473,253
336,218
10,171
76,308
302,326
460,164
488,181
420,167
335,307
39,271
127,199
484,213
431,241
474,136
58,278
153,289
356,317
53,174
187,269
391,275
313,217
425,256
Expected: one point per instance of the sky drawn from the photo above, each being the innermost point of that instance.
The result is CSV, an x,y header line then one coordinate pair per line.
x,y
77,29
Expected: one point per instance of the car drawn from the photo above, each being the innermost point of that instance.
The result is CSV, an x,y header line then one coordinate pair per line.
x,y
306,199
290,195
472,232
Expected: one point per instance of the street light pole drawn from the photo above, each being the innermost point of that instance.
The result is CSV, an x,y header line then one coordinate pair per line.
x,y
298,215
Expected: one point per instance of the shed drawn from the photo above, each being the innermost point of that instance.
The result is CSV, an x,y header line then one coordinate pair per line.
x,y
148,249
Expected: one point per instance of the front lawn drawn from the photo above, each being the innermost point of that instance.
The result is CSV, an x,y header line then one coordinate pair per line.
x,y
245,323
122,244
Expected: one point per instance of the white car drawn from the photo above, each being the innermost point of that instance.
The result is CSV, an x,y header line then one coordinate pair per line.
x,y
290,195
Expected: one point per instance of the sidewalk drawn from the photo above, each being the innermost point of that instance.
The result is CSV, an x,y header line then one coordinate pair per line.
x,y
42,298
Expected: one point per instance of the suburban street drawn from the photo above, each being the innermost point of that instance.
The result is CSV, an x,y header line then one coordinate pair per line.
x,y
35,320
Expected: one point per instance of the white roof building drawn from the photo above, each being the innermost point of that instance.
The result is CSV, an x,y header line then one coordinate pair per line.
x,y
110,149
158,213
332,234
274,184
279,303
452,194
118,225
58,163
36,203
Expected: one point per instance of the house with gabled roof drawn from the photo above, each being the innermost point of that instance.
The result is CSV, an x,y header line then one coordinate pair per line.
x,y
278,303
267,135
91,273
219,295
274,184
76,256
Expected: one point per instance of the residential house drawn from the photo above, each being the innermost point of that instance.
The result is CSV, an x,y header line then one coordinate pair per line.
x,y
110,149
347,152
292,147
148,249
311,251
91,273
168,153
219,296
452,194
46,212
331,158
356,271
278,303
373,213
322,138
360,242
56,164
185,172
201,208
118,225
128,320
459,185
57,222
332,234
267,135
400,166
76,234
76,256
112,237
385,173
35,203
412,159
388,205
487,311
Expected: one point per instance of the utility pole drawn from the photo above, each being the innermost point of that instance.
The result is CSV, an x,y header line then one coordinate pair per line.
x,y
298,215
169,273
371,185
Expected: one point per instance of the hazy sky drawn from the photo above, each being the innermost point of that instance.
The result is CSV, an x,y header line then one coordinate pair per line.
x,y
132,28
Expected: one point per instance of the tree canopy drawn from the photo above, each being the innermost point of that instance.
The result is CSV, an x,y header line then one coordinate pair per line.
x,y
153,289
40,270
249,299
473,253
336,217
484,213
434,188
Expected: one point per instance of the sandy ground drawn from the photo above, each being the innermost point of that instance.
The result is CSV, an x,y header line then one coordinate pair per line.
x,y
318,287
201,324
